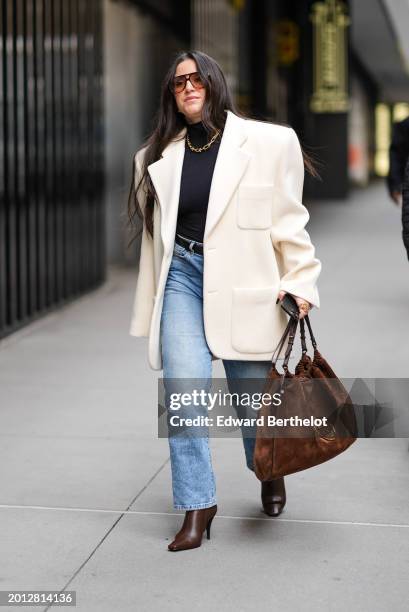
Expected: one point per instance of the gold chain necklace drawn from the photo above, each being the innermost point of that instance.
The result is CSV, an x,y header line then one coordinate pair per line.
x,y
205,147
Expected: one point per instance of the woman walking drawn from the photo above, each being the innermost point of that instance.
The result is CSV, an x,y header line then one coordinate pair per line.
x,y
223,240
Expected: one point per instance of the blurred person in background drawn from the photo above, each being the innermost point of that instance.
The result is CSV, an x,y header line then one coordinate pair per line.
x,y
405,208
223,239
398,176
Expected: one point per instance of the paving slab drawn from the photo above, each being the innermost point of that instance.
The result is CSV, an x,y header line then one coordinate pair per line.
x,y
42,549
247,565
75,472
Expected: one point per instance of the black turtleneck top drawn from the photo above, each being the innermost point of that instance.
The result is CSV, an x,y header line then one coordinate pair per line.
x,y
197,173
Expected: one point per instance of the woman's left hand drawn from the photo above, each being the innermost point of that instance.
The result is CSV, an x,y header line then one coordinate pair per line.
x,y
303,306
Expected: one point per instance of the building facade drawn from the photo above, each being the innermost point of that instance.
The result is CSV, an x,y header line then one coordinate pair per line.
x,y
80,84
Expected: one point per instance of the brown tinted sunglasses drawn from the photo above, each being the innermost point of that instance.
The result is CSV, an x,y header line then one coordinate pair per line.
x,y
179,82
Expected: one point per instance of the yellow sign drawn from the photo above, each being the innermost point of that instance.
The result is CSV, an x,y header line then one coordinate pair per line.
x,y
287,36
330,59
237,5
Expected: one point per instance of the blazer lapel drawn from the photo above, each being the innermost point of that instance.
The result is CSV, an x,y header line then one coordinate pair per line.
x,y
230,165
166,175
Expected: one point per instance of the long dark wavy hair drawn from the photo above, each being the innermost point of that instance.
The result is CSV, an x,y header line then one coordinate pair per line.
x,y
169,122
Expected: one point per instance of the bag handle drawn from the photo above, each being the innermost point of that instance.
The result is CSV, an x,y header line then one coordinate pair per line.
x,y
293,329
281,343
313,341
302,334
290,331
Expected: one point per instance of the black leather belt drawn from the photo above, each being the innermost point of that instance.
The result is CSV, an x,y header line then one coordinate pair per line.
x,y
189,244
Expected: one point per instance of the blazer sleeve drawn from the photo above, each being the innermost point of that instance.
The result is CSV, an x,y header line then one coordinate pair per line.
x,y
300,268
145,284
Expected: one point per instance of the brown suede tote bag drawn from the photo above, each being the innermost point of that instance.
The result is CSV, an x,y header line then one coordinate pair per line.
x,y
313,390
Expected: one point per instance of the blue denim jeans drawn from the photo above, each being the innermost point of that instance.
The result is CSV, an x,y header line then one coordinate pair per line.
x,y
186,355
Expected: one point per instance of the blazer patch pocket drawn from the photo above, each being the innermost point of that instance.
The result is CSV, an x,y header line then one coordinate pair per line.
x,y
255,206
253,319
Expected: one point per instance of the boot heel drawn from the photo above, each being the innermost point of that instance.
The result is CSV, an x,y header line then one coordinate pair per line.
x,y
208,528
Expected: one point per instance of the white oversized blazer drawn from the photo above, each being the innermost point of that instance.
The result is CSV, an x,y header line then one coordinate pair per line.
x,y
255,241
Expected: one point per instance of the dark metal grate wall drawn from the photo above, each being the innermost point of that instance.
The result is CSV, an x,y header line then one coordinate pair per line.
x,y
52,220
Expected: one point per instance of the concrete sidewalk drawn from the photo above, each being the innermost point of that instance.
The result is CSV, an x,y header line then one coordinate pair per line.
x,y
85,496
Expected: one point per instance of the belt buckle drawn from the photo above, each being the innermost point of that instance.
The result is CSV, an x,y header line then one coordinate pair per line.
x,y
191,246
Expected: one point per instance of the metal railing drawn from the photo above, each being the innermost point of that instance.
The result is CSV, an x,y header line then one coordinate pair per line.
x,y
52,234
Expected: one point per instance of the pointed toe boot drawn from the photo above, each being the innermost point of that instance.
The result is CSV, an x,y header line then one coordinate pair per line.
x,y
194,524
273,496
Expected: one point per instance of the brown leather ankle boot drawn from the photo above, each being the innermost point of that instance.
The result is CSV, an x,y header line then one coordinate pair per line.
x,y
273,496
194,524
